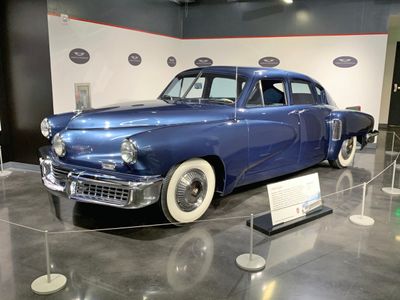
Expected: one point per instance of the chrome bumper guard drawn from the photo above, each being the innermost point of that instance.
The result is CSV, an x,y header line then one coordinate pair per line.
x,y
85,186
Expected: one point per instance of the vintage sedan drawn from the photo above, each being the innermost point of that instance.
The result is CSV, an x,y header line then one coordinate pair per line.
x,y
211,130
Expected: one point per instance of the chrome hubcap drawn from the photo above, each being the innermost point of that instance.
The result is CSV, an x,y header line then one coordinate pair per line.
x,y
347,148
191,190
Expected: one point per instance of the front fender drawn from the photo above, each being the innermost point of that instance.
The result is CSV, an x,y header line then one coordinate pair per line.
x,y
161,148
353,123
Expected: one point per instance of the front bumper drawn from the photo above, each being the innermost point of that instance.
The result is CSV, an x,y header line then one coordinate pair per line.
x,y
79,184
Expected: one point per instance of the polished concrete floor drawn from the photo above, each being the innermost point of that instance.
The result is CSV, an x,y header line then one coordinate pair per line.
x,y
329,258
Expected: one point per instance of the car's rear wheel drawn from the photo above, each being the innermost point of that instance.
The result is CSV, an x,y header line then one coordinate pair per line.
x,y
188,190
346,154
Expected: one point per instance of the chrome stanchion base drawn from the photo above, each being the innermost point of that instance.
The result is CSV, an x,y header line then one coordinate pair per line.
x,y
5,173
256,263
362,220
391,191
42,287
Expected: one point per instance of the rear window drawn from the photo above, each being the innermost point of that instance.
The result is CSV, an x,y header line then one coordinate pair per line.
x,y
301,93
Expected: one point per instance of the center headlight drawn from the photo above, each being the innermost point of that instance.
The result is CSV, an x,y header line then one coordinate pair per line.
x,y
45,128
59,145
128,151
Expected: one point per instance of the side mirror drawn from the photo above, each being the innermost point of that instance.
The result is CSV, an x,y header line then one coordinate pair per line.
x,y
198,86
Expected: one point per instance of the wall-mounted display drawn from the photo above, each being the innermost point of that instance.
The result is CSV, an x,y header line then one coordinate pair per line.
x,y
269,61
203,62
205,133
171,61
79,56
134,59
345,61
82,96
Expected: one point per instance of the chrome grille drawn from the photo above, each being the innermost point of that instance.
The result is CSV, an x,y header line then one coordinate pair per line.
x,y
103,193
60,173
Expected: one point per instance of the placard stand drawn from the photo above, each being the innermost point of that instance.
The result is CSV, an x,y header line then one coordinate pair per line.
x,y
263,223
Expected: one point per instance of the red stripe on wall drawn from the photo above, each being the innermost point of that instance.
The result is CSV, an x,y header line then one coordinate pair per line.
x,y
217,38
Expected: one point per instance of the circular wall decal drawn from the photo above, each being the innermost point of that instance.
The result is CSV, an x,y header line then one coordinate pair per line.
x,y
203,62
171,61
134,59
269,61
79,56
345,61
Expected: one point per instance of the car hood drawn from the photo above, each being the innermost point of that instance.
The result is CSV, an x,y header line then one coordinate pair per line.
x,y
150,113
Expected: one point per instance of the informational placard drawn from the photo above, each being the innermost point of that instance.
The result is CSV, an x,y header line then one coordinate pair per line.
x,y
294,198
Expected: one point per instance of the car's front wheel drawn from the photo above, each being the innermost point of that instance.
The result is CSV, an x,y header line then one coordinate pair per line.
x,y
188,190
346,154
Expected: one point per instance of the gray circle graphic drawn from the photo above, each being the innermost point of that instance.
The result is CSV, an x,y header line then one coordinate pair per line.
x,y
134,59
171,61
79,56
345,61
203,62
269,61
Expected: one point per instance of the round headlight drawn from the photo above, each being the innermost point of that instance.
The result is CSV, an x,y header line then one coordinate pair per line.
x,y
58,145
128,151
45,128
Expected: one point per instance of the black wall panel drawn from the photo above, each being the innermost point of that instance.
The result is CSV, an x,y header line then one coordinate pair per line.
x,y
218,18
157,16
27,79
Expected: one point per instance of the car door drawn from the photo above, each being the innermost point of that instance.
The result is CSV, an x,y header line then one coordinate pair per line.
x,y
312,115
274,140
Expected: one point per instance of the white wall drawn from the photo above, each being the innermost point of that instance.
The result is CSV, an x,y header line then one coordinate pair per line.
x,y
113,78
312,55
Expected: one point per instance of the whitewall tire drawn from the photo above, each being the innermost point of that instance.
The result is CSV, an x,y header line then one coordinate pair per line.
x,y
346,154
188,190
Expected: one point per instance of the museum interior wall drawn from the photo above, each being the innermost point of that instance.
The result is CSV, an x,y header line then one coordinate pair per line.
x,y
305,36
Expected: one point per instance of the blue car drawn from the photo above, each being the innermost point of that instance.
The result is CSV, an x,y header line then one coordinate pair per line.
x,y
211,130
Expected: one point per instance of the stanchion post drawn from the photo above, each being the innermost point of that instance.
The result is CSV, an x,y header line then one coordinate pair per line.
x,y
251,235
2,172
392,190
49,283
250,261
46,245
362,219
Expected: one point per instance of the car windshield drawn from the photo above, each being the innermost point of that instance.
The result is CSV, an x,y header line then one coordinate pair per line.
x,y
207,87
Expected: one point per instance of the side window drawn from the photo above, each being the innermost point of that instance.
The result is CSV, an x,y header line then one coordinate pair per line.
x,y
180,86
301,93
267,92
196,91
223,88
320,95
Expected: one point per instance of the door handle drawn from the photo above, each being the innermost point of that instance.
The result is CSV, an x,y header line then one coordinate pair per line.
x,y
395,87
298,112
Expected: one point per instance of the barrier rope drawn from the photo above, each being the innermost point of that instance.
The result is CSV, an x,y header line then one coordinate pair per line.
x,y
197,221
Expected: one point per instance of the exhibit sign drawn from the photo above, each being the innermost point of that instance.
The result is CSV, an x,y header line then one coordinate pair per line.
x,y
134,59
269,62
171,61
203,62
294,198
79,56
345,61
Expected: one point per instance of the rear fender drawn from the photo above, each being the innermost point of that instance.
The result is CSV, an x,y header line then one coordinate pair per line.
x,y
344,124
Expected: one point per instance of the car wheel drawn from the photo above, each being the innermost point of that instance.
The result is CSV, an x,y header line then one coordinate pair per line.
x,y
346,154
187,191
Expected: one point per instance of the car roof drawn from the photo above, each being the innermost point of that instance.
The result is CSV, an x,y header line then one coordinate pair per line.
x,y
258,72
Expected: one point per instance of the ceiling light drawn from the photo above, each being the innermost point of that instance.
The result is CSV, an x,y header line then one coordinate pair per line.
x,y
288,1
